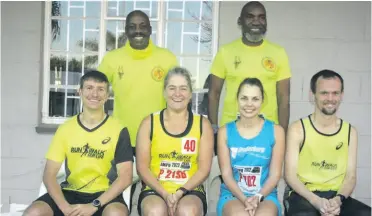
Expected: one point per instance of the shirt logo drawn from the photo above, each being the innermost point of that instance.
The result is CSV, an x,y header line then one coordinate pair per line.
x,y
105,141
269,64
157,74
87,151
339,145
235,151
237,62
120,72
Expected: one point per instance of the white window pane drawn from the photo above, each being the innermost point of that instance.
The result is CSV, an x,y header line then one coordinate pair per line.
x,y
204,70
123,8
90,62
174,5
190,63
77,3
92,24
74,70
91,42
76,11
75,28
59,35
115,37
76,8
73,106
57,66
56,102
93,8
190,45
173,37
192,10
207,10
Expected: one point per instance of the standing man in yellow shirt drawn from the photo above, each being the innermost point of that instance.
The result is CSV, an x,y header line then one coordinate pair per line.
x,y
136,72
251,56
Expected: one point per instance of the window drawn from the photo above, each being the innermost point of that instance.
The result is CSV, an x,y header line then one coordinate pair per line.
x,y
79,33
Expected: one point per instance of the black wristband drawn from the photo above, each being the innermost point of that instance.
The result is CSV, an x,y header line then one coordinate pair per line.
x,y
342,197
184,190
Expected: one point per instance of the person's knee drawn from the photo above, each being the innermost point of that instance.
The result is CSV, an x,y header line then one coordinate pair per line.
x,y
115,209
235,213
38,209
154,210
189,209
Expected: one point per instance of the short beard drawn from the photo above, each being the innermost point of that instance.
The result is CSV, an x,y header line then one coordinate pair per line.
x,y
325,112
254,38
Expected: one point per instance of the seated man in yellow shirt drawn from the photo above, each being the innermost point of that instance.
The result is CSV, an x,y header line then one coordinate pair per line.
x,y
136,72
321,158
96,152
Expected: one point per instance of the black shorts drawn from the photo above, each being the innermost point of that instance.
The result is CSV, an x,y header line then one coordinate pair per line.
x,y
75,197
297,205
146,193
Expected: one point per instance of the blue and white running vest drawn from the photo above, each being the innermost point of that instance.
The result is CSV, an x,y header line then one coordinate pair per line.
x,y
250,158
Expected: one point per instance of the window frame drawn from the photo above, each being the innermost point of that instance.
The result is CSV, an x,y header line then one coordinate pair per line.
x,y
160,41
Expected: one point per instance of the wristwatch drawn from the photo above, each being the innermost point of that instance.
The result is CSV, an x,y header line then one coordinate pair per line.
x,y
342,197
97,203
184,190
260,197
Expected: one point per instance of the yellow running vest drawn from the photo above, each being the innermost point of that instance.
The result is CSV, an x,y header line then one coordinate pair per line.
x,y
323,157
174,158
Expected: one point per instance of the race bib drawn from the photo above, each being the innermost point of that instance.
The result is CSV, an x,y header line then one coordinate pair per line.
x,y
249,178
174,171
188,145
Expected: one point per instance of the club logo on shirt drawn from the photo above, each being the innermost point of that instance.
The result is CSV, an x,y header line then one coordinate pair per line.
x,y
339,145
157,74
105,141
175,156
269,64
324,165
120,72
87,151
237,62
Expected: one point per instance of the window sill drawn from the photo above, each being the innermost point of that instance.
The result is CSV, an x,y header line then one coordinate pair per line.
x,y
46,128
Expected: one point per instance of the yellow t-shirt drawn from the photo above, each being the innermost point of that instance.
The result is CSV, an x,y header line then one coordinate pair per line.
x,y
236,61
323,158
137,80
174,158
90,155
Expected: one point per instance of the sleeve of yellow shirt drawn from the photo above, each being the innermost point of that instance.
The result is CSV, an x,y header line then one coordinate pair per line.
x,y
106,68
218,66
284,68
57,149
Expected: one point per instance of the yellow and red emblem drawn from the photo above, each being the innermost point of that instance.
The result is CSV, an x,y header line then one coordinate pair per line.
x,y
269,64
157,74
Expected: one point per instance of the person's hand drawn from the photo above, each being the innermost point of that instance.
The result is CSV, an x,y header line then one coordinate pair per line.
x,y
176,197
322,205
251,204
67,209
169,199
83,210
335,206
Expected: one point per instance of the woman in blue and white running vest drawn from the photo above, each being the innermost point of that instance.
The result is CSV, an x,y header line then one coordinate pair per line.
x,y
250,154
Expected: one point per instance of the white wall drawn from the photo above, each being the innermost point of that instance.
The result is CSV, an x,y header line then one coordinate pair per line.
x,y
317,35
22,149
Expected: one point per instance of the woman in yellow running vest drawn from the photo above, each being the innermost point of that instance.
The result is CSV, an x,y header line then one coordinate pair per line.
x,y
175,149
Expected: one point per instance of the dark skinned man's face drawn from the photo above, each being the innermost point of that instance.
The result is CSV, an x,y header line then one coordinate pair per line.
x,y
138,31
253,23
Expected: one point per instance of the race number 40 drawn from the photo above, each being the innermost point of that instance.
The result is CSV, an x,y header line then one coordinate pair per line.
x,y
189,145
